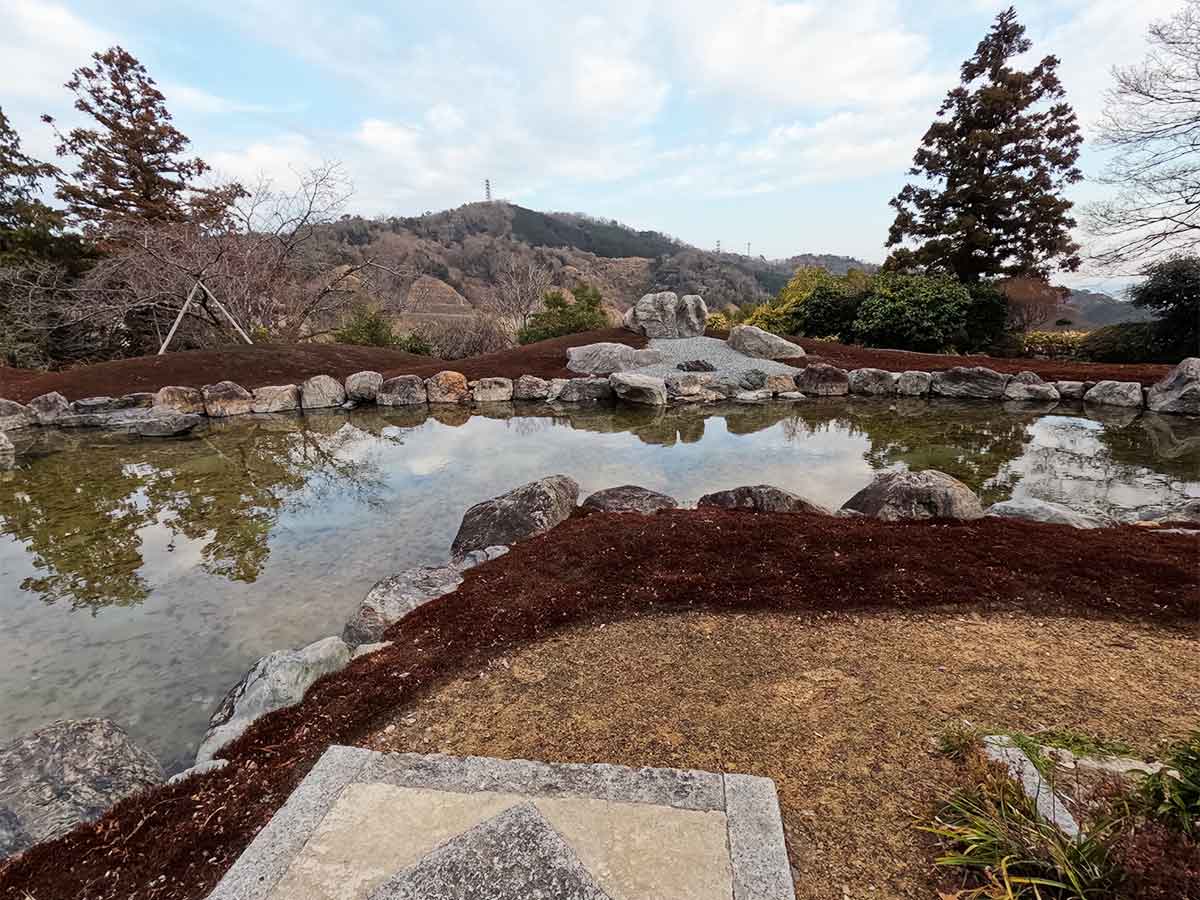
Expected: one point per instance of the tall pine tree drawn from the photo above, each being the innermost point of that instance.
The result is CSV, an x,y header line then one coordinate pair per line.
x,y
994,165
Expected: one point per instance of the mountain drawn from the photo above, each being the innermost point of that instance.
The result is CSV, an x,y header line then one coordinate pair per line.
x,y
1088,310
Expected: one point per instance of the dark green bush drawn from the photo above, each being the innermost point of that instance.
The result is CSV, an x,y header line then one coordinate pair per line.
x,y
828,311
913,312
985,324
371,328
1174,799
560,317
1172,292
1125,342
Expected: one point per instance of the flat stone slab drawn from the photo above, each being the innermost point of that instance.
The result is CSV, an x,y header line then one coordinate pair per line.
x,y
381,826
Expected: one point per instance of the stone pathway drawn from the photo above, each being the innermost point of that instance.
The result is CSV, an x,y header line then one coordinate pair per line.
x,y
377,826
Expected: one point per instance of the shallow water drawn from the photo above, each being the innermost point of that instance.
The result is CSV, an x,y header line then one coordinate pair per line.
x,y
140,579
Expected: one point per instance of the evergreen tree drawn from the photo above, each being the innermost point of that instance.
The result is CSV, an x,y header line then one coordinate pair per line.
x,y
131,163
28,227
994,163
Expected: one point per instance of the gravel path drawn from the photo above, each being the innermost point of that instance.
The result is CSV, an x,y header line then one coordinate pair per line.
x,y
727,360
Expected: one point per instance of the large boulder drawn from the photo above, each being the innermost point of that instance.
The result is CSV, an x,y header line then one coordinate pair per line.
x,y
583,390
225,398
644,389
1115,393
47,409
166,423
913,384
181,399
916,495
322,392
275,681
1029,386
1073,390
363,387
629,498
276,398
686,385
8,452
1044,511
1179,392
394,597
606,357
872,382
521,513
492,390
447,387
403,390
821,380
66,773
667,315
971,382
760,344
530,387
14,415
762,498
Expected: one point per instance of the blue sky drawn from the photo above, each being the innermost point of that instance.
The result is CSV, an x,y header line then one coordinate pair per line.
x,y
786,125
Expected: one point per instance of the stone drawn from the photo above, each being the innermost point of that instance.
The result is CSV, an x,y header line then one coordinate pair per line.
x,y
790,395
872,382
556,387
685,384
8,452
1029,386
1072,390
913,384
67,773
606,357
322,392
821,380
752,380
695,365
213,765
276,398
492,390
225,398
181,399
585,390
893,496
403,390
762,498
725,386
762,395
1045,511
754,341
642,389
363,386
137,400
970,382
47,409
14,415
274,682
780,383
447,387
629,498
1050,806
521,513
167,423
530,387
757,846
1179,391
667,315
91,405
1115,393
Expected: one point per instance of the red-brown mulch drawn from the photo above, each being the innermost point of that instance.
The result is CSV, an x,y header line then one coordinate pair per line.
x,y
265,364
175,842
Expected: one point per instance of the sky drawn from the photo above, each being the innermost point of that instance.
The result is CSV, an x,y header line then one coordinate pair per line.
x,y
783,125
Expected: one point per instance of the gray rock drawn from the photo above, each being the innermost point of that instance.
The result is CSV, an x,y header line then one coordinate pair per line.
x,y
64,774
790,395
667,315
521,513
275,681
780,383
14,415
530,387
1050,806
752,380
363,386
181,399
1029,386
47,409
213,765
1115,393
724,385
629,498
1072,390
492,390
556,387
585,390
225,398
322,392
167,423
137,400
91,405
447,387
606,357
872,382
368,649
971,382
403,390
685,384
761,344
1044,511
695,365
913,384
916,495
643,389
762,498
821,380
1179,392
762,395
8,453
276,398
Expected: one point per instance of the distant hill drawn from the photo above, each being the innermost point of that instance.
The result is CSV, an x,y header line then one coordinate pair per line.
x,y
1088,310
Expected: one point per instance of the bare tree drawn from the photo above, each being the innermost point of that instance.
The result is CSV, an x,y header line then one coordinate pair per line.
x,y
1152,121
520,286
1032,302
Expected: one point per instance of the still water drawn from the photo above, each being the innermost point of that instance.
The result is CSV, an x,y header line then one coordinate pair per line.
x,y
139,579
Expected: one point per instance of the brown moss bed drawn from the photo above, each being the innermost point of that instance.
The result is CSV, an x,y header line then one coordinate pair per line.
x,y
628,571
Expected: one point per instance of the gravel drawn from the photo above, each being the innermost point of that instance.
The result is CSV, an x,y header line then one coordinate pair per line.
x,y
727,360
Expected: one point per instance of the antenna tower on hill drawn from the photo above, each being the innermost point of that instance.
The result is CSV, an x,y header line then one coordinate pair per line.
x,y
487,189
718,246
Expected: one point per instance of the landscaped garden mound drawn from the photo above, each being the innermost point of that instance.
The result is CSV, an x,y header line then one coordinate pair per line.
x,y
175,841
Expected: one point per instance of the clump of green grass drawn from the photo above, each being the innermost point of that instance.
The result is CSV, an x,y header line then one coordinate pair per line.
x,y
1174,800
1081,743
960,740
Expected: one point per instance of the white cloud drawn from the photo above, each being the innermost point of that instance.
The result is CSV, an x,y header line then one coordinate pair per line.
x,y
445,117
41,44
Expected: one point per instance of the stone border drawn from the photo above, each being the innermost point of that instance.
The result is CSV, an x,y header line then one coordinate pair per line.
x,y
757,849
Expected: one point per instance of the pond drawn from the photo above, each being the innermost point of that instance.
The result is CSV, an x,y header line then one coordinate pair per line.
x,y
139,579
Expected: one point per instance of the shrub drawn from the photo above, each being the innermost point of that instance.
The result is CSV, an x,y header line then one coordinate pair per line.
x,y
913,312
986,322
1125,342
459,339
415,344
1175,800
368,327
782,315
717,322
1052,344
1172,291
829,310
561,317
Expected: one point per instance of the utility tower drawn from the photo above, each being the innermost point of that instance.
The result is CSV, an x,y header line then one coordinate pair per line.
x,y
718,246
487,189
747,248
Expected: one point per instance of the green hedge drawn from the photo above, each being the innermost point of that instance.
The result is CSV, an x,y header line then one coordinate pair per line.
x,y
1126,342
